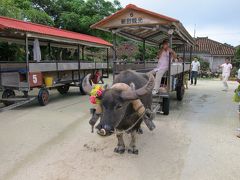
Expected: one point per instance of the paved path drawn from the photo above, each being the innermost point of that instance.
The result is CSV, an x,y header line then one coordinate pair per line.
x,y
196,141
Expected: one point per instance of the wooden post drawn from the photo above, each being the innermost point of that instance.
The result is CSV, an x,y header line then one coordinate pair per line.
x,y
114,53
169,69
83,53
107,63
27,60
143,53
79,64
184,59
49,51
58,74
191,49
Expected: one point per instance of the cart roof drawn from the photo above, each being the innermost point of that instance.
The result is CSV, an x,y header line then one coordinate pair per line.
x,y
141,24
51,33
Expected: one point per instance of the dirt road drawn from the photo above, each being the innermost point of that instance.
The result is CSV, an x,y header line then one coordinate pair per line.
x,y
196,141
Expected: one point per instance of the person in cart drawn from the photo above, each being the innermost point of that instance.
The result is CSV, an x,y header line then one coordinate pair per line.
x,y
165,54
97,78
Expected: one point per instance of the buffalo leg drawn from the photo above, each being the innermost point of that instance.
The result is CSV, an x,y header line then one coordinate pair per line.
x,y
120,146
132,146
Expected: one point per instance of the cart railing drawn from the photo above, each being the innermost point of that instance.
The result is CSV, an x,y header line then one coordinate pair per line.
x,y
50,66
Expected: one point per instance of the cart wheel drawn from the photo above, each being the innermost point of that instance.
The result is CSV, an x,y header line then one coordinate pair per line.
x,y
43,97
8,93
166,106
63,89
180,92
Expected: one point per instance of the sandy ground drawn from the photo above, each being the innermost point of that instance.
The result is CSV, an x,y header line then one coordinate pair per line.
x,y
196,141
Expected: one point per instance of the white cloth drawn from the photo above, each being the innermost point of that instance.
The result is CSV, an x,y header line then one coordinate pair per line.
x,y
226,69
163,62
224,80
36,50
195,66
158,78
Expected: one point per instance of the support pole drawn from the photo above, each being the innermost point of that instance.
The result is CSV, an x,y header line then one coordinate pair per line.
x,y
144,53
83,55
27,60
79,64
58,74
184,59
114,54
107,63
83,58
191,49
169,69
49,51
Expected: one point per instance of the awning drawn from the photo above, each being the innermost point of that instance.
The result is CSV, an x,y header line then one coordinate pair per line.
x,y
143,25
51,33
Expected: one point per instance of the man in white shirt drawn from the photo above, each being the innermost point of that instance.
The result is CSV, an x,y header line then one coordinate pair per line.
x,y
226,70
195,67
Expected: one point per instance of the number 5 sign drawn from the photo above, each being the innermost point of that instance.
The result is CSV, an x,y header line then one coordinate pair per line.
x,y
35,79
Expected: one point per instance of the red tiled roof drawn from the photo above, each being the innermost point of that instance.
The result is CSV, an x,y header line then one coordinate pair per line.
x,y
132,7
206,45
9,23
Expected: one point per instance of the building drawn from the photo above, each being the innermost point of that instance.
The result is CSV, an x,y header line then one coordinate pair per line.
x,y
211,51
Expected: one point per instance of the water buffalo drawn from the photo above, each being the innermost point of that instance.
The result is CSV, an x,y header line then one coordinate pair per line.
x,y
118,114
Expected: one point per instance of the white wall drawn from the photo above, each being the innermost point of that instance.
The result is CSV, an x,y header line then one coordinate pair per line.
x,y
214,61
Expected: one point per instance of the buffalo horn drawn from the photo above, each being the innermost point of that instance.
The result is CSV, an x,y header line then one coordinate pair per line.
x,y
136,94
87,87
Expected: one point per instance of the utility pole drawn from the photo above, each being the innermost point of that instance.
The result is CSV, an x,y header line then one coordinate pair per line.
x,y
194,31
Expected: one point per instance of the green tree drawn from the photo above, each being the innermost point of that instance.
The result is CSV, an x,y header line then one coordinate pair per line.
x,y
24,10
8,8
150,52
204,65
236,60
74,15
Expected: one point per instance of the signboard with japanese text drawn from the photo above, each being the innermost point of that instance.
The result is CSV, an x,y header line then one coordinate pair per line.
x,y
133,18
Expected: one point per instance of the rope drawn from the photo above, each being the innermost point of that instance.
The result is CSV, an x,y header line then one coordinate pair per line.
x,y
140,117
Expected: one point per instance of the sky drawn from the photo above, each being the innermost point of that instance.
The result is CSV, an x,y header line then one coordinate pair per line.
x,y
216,19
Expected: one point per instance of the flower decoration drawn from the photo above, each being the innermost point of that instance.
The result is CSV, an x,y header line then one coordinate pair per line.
x,y
96,94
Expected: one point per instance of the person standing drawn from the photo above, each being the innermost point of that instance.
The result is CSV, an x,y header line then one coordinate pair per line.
x,y
195,68
163,64
226,70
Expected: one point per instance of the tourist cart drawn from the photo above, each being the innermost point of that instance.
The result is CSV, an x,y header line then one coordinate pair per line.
x,y
150,28
34,71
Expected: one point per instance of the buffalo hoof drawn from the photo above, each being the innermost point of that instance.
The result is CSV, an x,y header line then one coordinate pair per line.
x,y
119,150
133,151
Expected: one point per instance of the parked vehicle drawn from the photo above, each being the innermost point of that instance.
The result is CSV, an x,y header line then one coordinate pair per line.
x,y
47,74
